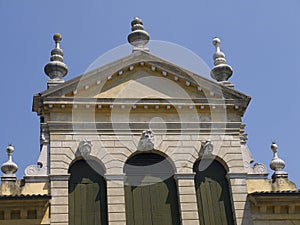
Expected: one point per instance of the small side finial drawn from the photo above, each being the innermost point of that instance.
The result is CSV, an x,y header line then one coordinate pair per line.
x,y
277,164
221,72
9,168
138,38
56,69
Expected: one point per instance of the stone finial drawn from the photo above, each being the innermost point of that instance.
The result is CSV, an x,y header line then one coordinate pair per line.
x,y
56,69
277,164
221,72
9,168
280,181
138,38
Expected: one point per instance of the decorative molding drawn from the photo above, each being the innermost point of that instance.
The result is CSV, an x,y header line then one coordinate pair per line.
x,y
59,177
256,176
36,179
41,169
236,175
260,168
244,138
203,128
34,170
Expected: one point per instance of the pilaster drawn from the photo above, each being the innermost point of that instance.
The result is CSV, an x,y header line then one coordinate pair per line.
x,y
187,198
115,199
239,195
59,209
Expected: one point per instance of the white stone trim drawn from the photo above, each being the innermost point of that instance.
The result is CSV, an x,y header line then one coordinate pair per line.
x,y
184,176
114,177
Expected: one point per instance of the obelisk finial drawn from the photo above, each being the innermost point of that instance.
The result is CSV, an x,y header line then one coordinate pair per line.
x,y
138,38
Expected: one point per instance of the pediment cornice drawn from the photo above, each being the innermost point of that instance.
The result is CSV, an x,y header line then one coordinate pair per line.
x,y
80,87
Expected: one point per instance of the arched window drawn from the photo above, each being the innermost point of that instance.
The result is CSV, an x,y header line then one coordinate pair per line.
x,y
150,191
213,196
87,194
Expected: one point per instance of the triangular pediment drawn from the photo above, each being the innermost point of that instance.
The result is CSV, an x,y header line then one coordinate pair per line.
x,y
140,75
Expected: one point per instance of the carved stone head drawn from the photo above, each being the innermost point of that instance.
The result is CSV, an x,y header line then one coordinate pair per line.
x,y
206,148
146,141
84,148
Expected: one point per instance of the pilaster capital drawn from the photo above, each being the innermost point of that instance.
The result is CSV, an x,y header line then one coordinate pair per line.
x,y
115,177
59,177
236,176
184,176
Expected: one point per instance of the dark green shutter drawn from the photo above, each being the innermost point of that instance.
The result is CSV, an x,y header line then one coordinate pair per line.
x,y
87,194
213,196
155,203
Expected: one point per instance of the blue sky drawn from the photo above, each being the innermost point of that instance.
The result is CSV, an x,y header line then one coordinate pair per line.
x,y
259,38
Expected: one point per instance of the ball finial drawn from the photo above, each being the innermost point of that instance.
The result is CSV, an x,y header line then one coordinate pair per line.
x,y
57,37
274,147
10,149
216,42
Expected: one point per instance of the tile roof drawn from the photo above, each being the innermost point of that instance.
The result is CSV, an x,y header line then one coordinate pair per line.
x,y
291,192
22,196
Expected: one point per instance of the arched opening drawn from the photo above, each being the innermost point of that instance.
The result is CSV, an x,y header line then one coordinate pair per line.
x,y
213,196
87,194
150,191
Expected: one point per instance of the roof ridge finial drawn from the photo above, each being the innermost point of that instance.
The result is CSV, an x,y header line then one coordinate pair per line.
x,y
221,71
9,168
277,164
138,38
56,69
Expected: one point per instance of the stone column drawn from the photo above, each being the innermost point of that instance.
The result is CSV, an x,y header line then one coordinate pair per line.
x,y
59,209
187,198
115,199
241,206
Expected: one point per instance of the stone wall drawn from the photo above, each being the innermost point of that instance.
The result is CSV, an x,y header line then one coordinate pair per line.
x,y
113,151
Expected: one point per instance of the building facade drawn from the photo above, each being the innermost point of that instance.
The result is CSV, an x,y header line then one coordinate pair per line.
x,y
143,141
